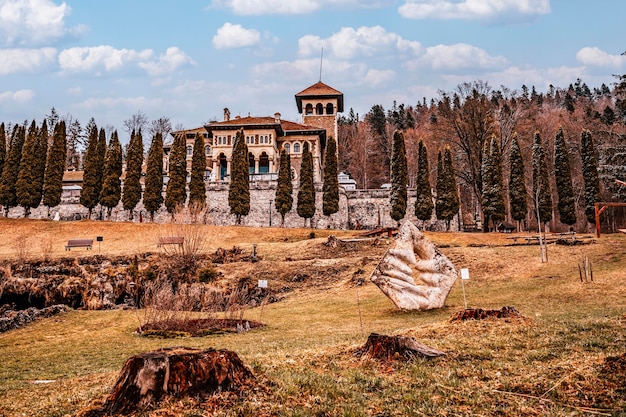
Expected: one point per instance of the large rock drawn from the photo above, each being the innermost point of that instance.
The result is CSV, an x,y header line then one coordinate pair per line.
x,y
413,273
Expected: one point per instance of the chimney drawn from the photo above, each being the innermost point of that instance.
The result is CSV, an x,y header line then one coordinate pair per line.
x,y
226,114
277,117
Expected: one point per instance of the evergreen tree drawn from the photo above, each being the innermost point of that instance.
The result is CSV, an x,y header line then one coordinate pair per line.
x,y
590,175
176,192
492,194
563,174
306,193
26,185
111,184
424,197
330,200
90,194
398,194
153,193
197,187
55,165
101,159
3,146
284,190
239,187
132,182
39,168
517,184
11,168
542,195
447,202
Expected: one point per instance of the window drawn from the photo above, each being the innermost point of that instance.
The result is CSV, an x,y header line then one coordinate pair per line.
x,y
296,148
319,109
189,150
329,108
207,150
287,147
308,109
264,163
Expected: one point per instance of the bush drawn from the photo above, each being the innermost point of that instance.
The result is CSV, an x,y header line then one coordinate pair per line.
x,y
207,274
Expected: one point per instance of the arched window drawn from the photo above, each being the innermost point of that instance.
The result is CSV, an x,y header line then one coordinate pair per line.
x,y
207,150
223,166
308,109
287,147
250,163
264,163
296,147
319,109
329,108
189,150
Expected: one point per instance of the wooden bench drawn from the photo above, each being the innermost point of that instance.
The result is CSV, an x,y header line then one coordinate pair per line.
x,y
170,240
79,243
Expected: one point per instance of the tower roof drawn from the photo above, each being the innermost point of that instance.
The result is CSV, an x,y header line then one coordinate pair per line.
x,y
320,90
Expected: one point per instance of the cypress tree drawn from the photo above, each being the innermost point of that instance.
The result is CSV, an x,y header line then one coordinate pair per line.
x,y
41,154
90,194
306,193
26,185
176,191
132,182
239,187
590,175
197,187
3,146
284,190
101,159
492,193
153,193
330,200
563,174
55,165
398,195
111,184
542,195
447,202
517,184
424,196
10,171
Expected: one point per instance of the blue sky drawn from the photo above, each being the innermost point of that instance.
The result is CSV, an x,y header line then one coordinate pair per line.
x,y
189,59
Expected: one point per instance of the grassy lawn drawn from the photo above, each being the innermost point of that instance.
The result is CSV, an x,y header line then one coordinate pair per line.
x,y
550,364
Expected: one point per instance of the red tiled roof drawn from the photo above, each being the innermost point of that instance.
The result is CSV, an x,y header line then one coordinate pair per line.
x,y
319,89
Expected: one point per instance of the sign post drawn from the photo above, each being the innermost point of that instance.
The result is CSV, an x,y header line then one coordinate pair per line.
x,y
99,239
464,277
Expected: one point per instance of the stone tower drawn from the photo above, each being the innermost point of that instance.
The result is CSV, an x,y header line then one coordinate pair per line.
x,y
319,105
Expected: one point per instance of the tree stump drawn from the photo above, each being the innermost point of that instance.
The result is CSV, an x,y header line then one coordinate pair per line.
x,y
480,314
147,378
387,348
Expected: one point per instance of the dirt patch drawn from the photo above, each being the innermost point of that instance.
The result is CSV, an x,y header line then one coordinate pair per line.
x,y
197,327
480,314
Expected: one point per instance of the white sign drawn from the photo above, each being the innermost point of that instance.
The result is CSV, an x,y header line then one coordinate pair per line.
x,y
464,273
262,283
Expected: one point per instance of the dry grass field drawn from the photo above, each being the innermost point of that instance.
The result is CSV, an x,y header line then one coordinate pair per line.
x,y
555,362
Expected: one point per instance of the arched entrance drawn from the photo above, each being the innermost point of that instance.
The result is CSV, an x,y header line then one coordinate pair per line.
x,y
264,163
223,166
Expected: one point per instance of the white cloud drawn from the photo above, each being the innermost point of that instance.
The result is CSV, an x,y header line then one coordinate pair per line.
x,y
260,7
172,60
124,102
19,97
235,36
377,78
473,9
597,57
100,57
25,60
34,22
349,43
456,56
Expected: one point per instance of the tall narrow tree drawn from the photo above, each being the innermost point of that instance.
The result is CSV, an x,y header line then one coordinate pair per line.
x,y
153,193
101,159
55,165
132,181
111,184
563,174
41,154
590,175
330,188
423,192
542,195
11,169
399,180
517,184
239,187
90,193
3,146
197,187
447,202
26,185
284,189
492,194
176,191
306,192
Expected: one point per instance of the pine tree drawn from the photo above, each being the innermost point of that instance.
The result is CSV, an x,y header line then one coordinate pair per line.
x,y
176,192
517,184
26,185
239,187
306,193
563,174
590,175
424,197
284,190
542,195
101,159
330,200
492,193
55,165
3,146
111,184
10,171
153,193
90,194
132,182
197,187
447,202
398,194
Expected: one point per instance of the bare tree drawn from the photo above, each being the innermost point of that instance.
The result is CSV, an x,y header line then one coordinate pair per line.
x,y
136,122
162,125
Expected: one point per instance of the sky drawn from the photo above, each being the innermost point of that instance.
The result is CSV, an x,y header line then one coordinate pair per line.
x,y
189,59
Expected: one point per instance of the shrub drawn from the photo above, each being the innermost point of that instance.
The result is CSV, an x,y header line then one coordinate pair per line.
x,y
207,274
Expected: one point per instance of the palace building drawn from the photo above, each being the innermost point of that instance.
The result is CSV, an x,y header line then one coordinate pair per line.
x,y
318,106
